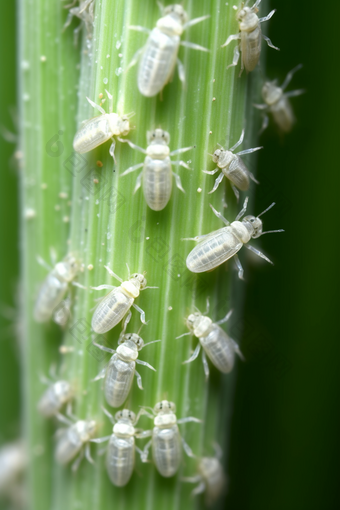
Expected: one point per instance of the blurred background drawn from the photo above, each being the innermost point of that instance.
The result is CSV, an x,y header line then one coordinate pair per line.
x,y
285,445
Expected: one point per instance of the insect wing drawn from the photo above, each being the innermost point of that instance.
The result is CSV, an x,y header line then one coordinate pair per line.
x,y
111,310
118,380
251,48
157,182
219,348
213,251
157,62
92,133
69,444
120,459
166,450
50,295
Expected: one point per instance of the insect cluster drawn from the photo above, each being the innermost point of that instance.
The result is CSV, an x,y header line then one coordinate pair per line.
x,y
158,59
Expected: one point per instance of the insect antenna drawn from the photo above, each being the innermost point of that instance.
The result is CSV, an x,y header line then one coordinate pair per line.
x,y
271,205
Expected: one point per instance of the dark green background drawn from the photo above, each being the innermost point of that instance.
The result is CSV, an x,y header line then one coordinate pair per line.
x,y
285,435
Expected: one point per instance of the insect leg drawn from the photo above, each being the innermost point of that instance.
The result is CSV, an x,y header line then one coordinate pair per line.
x,y
101,375
100,439
178,181
135,58
237,350
225,319
180,151
138,182
99,108
217,183
199,489
140,362
193,46
181,71
78,460
132,145
219,215
238,143
243,210
112,150
103,348
289,76
145,453
260,106
189,418
142,313
294,93
233,37
248,151
44,264
139,380
239,267
187,449
194,21
265,123
194,354
113,274
132,169
259,253
138,28
205,365
252,177
191,479
236,192
268,41
88,453
211,172
266,18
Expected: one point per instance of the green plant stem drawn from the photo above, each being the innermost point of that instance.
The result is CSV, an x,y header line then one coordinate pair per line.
x,y
111,226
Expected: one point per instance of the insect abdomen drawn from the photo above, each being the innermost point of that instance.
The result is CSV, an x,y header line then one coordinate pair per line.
x,y
93,133
237,174
157,62
213,251
120,459
110,311
68,446
251,48
166,450
118,380
157,182
50,295
219,349
283,114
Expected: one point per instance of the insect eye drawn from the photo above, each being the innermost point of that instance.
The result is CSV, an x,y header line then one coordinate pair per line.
x,y
161,405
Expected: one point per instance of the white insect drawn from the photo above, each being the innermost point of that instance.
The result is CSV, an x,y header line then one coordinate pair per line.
x,y
120,457
277,102
166,439
55,285
116,304
249,36
219,246
122,367
211,478
63,312
157,173
217,345
57,394
74,440
159,55
93,132
13,461
85,13
232,167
